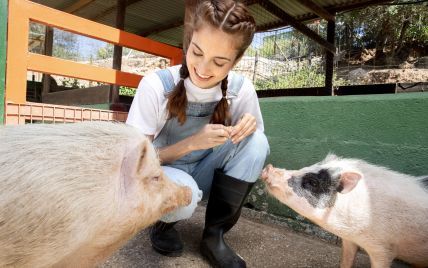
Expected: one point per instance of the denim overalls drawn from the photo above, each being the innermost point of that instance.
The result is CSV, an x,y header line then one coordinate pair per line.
x,y
243,161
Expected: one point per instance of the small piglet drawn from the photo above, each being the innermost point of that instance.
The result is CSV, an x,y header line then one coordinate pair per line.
x,y
382,211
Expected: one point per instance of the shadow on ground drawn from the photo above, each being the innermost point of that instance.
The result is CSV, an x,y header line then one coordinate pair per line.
x,y
266,245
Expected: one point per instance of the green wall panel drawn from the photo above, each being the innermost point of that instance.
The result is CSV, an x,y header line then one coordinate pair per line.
x,y
389,130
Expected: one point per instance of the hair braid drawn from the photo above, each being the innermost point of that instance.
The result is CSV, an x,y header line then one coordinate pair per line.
x,y
221,113
177,99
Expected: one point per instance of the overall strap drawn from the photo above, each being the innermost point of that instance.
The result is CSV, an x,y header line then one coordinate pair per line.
x,y
235,84
167,80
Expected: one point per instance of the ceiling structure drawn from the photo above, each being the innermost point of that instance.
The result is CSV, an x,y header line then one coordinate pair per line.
x,y
162,20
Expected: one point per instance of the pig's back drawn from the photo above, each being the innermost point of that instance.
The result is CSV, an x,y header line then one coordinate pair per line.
x,y
398,204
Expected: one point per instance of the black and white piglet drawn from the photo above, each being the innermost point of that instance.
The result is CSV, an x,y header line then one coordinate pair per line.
x,y
380,210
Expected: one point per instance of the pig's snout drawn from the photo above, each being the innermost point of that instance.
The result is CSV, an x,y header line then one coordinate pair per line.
x,y
186,194
181,198
266,171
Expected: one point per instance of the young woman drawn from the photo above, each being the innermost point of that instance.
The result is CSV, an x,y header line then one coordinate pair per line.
x,y
207,126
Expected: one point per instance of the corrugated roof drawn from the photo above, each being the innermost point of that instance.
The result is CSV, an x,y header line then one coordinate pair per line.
x,y
162,20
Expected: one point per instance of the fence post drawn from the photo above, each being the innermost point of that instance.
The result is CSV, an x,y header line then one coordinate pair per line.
x,y
3,44
329,59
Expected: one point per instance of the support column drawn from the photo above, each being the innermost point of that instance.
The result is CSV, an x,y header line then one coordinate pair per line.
x,y
3,46
48,52
331,27
115,104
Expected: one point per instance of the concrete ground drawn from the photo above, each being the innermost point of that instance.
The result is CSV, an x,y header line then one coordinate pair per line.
x,y
260,243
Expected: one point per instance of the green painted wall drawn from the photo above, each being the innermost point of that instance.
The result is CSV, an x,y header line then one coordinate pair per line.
x,y
3,34
389,130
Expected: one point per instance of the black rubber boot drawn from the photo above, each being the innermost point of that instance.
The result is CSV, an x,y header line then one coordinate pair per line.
x,y
223,210
165,239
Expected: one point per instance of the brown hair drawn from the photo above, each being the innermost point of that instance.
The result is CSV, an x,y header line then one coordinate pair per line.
x,y
229,16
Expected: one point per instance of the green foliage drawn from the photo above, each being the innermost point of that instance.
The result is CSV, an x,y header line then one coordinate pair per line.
x,y
71,83
127,91
107,51
65,45
304,77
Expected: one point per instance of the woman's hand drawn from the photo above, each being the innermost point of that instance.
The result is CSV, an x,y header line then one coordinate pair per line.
x,y
210,136
245,127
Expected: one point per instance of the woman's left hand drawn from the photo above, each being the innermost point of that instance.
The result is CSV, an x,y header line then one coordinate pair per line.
x,y
245,127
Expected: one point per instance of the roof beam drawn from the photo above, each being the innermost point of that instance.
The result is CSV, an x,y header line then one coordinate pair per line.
x,y
162,28
78,5
284,16
317,9
357,5
180,22
111,9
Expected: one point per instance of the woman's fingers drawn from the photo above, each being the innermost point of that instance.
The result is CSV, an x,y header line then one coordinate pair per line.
x,y
249,129
220,130
246,126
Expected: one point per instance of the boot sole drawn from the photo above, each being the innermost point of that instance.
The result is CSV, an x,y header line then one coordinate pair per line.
x,y
177,253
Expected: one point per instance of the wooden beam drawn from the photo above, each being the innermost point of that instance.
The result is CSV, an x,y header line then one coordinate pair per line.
x,y
57,66
46,80
317,9
167,26
117,51
332,10
78,5
111,9
277,11
329,59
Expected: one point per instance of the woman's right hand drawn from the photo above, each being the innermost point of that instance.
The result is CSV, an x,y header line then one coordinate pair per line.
x,y
210,136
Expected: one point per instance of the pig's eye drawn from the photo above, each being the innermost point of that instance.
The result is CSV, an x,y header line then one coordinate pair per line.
x,y
156,178
310,181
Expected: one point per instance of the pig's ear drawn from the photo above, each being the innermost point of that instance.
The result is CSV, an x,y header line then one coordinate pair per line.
x,y
348,180
146,158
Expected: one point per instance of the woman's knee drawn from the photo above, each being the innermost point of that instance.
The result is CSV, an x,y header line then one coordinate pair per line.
x,y
182,178
257,146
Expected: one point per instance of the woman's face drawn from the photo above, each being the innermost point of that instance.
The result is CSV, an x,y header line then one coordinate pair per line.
x,y
210,56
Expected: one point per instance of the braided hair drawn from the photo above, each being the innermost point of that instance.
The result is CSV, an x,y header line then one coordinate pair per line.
x,y
230,16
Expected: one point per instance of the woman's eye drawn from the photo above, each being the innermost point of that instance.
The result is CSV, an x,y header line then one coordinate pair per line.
x,y
218,64
197,54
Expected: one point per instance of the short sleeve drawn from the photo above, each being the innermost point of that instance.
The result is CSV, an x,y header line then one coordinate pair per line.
x,y
247,102
144,111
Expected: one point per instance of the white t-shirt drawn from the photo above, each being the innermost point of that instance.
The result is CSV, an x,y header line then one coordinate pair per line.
x,y
148,111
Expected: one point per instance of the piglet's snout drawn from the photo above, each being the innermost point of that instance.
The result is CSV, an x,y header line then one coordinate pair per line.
x,y
266,171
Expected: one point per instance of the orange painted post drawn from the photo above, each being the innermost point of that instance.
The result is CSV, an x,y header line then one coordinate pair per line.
x,y
17,44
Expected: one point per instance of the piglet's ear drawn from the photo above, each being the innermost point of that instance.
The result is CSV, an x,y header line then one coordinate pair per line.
x,y
348,180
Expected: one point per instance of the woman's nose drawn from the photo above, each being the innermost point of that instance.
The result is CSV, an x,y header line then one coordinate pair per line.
x,y
203,67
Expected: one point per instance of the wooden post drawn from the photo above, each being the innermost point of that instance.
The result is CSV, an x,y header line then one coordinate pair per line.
x,y
329,58
117,57
48,52
3,44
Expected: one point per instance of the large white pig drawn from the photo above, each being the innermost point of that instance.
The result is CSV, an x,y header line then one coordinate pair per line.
x,y
382,211
71,194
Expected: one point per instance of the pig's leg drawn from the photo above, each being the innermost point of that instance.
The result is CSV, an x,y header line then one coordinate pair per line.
x,y
349,250
380,258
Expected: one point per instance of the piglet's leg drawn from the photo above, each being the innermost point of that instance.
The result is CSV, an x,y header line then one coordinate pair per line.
x,y
349,250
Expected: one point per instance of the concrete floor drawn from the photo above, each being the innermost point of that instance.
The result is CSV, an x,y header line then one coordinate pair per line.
x,y
266,245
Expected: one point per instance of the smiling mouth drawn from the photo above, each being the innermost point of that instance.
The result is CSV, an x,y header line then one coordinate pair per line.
x,y
202,77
